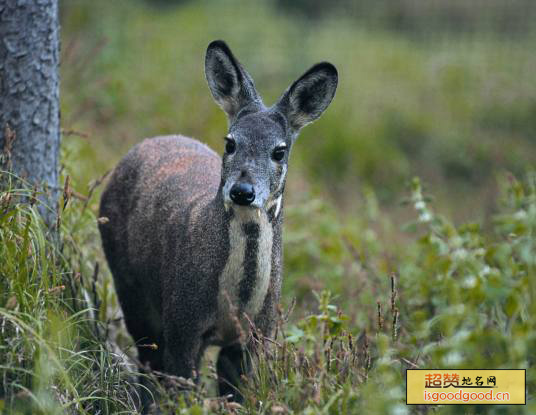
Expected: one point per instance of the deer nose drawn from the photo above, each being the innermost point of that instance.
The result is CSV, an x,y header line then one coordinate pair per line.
x,y
242,194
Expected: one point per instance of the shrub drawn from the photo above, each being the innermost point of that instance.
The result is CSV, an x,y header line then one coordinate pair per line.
x,y
462,297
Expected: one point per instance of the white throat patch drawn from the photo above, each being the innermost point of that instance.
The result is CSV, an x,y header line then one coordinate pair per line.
x,y
234,272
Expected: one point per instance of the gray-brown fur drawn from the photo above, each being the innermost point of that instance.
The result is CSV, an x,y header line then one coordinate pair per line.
x,y
188,257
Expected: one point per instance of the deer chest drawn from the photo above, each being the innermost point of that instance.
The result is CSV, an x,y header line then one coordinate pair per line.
x,y
244,281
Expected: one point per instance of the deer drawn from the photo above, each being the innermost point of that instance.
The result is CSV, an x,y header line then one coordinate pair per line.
x,y
194,240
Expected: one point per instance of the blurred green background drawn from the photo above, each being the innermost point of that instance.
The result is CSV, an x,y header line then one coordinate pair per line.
x,y
440,89
443,90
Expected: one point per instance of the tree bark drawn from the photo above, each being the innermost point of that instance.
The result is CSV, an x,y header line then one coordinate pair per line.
x,y
29,95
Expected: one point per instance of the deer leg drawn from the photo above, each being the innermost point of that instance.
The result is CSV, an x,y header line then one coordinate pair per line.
x,y
183,352
233,362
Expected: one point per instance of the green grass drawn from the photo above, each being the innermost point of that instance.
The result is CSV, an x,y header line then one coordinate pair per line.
x,y
456,109
457,297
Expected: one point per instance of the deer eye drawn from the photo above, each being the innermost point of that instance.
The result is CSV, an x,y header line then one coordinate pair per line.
x,y
230,145
279,153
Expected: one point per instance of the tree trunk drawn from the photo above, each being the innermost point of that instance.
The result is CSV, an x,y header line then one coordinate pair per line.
x,y
29,95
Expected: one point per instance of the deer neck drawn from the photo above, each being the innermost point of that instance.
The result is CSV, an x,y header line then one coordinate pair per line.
x,y
245,279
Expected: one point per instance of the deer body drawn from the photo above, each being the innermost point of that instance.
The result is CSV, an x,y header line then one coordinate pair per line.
x,y
193,240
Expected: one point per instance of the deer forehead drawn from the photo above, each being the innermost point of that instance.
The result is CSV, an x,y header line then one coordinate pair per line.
x,y
261,130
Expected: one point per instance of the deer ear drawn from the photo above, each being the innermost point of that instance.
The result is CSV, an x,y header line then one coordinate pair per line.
x,y
230,84
308,97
